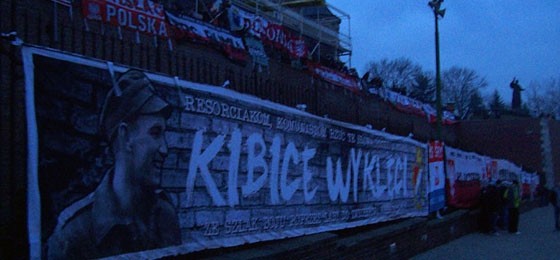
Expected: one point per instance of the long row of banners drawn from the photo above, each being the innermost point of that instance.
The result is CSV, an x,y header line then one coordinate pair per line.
x,y
150,18
468,172
412,106
238,169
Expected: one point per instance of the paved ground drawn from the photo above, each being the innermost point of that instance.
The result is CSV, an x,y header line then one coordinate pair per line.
x,y
537,240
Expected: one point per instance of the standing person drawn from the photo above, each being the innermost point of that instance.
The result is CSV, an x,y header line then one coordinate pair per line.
x,y
489,204
513,196
484,209
555,201
503,215
126,212
494,207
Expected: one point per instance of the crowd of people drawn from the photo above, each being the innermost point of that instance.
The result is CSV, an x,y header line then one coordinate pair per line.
x,y
499,205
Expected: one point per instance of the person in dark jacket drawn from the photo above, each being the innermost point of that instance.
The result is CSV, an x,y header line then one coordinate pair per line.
x,y
494,207
490,202
513,196
503,216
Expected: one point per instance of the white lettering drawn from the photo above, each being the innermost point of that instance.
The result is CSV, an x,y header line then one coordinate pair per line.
x,y
354,162
121,17
235,149
337,187
200,160
274,167
255,160
282,167
368,183
142,23
306,155
287,191
111,11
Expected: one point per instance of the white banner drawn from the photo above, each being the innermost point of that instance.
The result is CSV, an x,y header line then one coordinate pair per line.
x,y
269,32
198,31
143,16
436,187
215,168
412,106
465,174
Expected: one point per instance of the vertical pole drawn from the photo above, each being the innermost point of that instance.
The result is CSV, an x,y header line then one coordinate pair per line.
x,y
438,84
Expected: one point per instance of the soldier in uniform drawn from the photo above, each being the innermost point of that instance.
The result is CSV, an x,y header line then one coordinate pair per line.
x,y
126,212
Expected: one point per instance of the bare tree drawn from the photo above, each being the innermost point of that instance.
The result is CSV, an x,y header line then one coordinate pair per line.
x,y
424,88
398,74
543,98
458,86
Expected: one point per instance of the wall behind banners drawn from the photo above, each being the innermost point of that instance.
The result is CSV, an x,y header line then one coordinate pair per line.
x,y
516,140
275,173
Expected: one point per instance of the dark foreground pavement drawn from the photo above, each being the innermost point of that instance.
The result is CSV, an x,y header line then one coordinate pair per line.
x,y
537,240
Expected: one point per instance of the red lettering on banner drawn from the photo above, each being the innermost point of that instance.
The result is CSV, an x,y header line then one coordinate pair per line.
x,y
270,33
435,151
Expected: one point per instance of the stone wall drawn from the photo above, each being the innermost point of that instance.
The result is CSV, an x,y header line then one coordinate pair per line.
x,y
516,140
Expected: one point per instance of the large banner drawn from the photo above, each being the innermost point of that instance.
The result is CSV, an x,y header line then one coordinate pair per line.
x,y
334,77
143,16
508,172
198,31
468,173
405,104
436,186
412,106
127,162
465,174
269,32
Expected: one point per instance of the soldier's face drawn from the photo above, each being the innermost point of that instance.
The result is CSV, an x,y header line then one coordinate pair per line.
x,y
148,149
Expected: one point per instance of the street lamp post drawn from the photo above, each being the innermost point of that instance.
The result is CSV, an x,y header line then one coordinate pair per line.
x,y
435,5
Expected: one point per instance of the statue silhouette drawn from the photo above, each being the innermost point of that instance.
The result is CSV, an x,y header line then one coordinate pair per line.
x,y
516,96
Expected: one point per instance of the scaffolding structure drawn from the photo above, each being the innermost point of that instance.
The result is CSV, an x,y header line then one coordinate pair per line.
x,y
316,29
